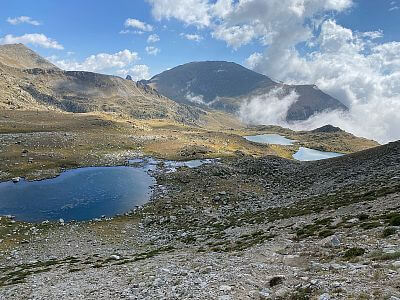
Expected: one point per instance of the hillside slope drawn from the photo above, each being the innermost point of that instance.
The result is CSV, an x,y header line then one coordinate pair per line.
x,y
226,85
21,57
243,228
29,82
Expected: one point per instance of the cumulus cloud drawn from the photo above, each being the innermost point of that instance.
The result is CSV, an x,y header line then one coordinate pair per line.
x,y
235,36
190,12
152,50
253,60
355,67
36,39
134,23
102,62
349,66
153,38
23,19
192,37
137,72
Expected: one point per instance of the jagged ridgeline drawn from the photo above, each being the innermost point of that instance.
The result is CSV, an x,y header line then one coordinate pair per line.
x,y
29,81
225,86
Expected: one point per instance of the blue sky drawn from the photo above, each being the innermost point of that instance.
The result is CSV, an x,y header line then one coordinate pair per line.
x,y
91,27
349,48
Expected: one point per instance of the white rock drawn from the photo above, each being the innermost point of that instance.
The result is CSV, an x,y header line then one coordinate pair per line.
x,y
396,264
265,294
325,296
225,288
330,241
16,179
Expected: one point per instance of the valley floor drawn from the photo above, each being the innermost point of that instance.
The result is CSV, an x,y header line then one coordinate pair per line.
x,y
247,227
40,144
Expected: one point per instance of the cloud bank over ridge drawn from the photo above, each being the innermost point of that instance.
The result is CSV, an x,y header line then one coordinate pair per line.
x,y
304,44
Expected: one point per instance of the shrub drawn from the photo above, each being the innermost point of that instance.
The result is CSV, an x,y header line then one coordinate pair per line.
x,y
362,217
325,233
395,221
354,252
388,232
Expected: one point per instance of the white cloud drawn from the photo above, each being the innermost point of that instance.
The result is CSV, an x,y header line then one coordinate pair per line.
x,y
134,23
194,12
36,39
235,36
102,62
152,50
271,108
153,38
253,60
222,8
348,66
394,6
197,99
137,72
23,19
192,37
351,66
373,34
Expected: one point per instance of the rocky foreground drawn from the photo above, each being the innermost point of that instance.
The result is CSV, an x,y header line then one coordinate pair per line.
x,y
243,228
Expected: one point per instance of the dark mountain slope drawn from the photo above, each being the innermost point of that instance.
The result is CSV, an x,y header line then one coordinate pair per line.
x,y
226,85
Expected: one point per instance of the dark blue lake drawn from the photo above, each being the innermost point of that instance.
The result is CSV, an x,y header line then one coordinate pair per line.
x,y
79,194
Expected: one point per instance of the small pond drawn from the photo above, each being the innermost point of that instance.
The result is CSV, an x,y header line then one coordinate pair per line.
x,y
307,154
274,139
304,154
84,193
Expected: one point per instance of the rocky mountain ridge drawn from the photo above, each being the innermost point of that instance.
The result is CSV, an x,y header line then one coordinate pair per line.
x,y
226,86
29,82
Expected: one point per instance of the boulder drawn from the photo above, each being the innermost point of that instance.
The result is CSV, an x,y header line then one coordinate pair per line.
x,y
330,241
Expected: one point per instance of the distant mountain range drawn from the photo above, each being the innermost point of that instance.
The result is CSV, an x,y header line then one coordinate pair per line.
x,y
184,93
226,85
28,81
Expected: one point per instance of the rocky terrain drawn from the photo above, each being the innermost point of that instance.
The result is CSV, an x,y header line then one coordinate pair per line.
x,y
226,86
243,228
255,224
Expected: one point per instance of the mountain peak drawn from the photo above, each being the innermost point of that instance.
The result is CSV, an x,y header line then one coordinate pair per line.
x,y
207,79
21,57
226,85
